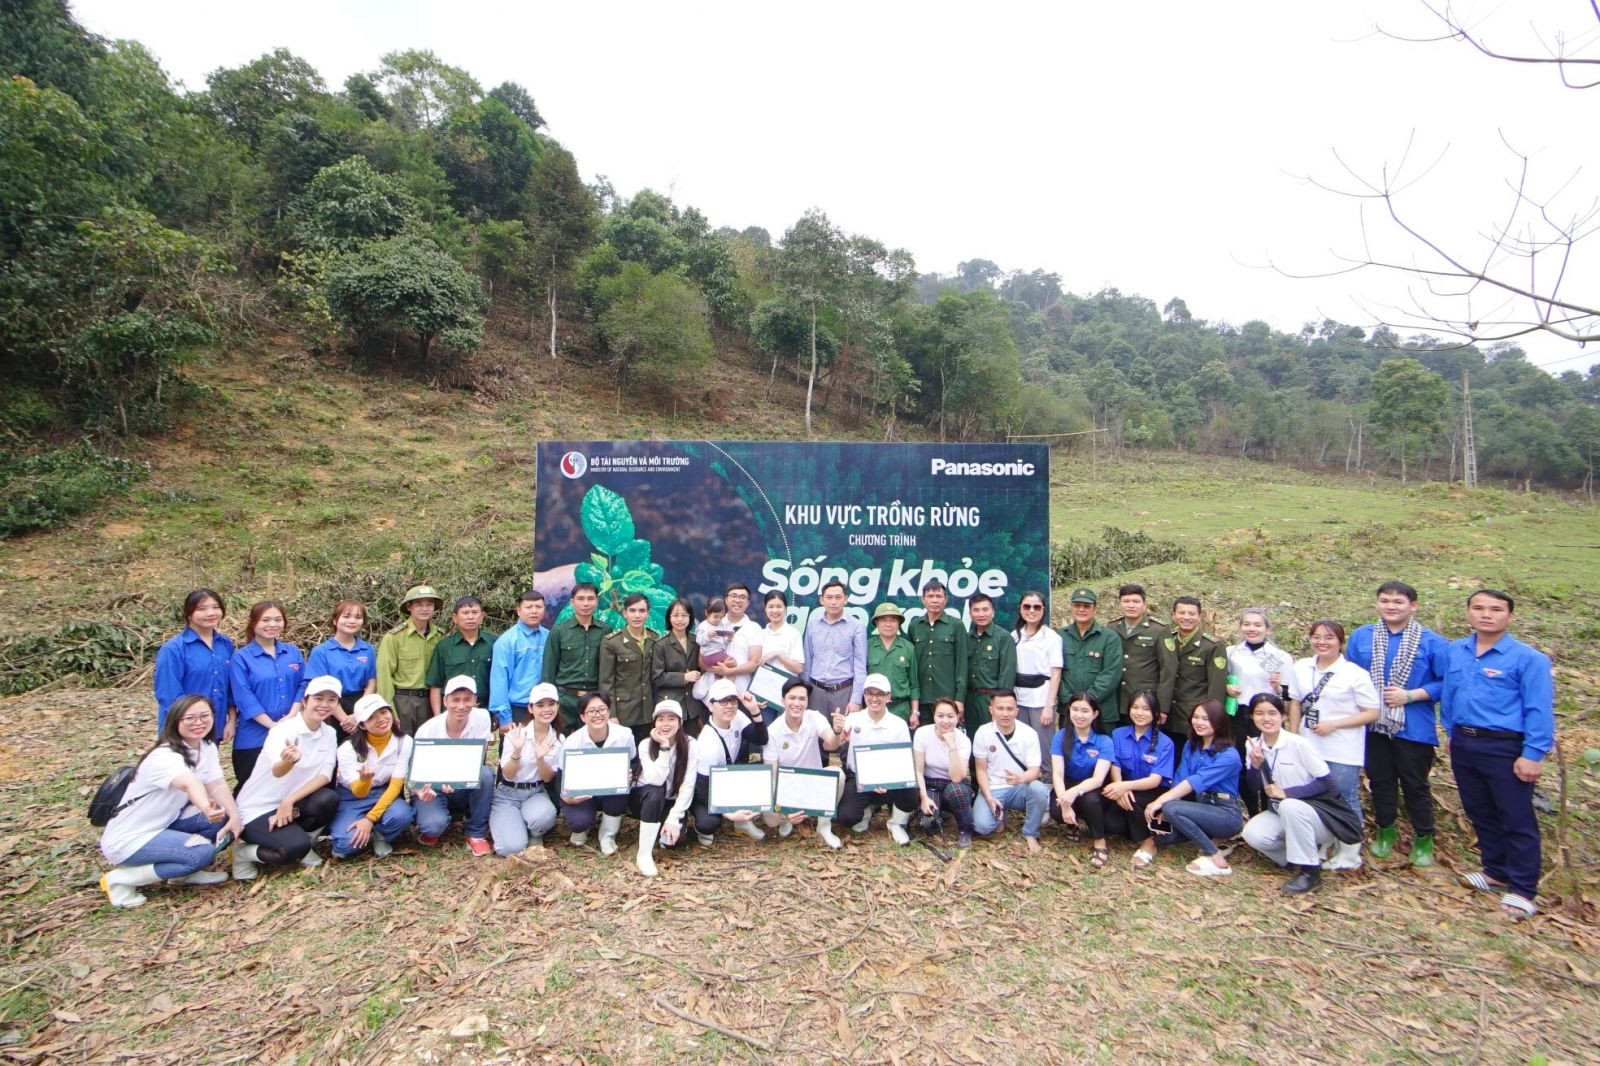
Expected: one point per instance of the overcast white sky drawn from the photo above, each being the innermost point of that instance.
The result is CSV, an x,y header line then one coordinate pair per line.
x,y
1159,147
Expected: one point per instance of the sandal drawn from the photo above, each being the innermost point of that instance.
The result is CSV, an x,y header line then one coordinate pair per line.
x,y
1517,907
1482,883
1141,859
1099,857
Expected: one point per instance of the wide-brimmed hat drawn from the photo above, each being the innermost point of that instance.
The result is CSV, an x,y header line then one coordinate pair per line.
x,y
888,610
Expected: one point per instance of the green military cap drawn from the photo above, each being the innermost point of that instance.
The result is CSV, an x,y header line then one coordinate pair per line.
x,y
1084,596
421,592
887,610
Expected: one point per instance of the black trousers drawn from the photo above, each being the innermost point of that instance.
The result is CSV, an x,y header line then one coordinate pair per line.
x,y
1130,824
853,804
1394,764
244,764
288,844
1089,807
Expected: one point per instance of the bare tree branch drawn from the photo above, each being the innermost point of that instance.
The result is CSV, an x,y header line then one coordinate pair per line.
x,y
1456,29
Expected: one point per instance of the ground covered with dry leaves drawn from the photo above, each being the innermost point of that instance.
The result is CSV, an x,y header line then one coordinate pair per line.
x,y
761,952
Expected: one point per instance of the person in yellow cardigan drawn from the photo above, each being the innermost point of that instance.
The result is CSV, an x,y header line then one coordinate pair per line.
x,y
404,654
371,774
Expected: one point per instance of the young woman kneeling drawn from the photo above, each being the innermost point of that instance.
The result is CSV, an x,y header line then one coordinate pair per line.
x,y
372,771
660,798
286,800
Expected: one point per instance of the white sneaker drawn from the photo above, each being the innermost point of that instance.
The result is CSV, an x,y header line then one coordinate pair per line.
x,y
380,846
751,829
1344,857
244,861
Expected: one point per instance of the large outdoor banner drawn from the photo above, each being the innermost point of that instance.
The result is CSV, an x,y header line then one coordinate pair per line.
x,y
670,518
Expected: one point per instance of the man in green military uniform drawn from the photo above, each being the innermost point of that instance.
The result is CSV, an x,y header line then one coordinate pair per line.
x,y
404,654
1149,654
572,653
1202,666
895,657
941,645
466,650
1091,658
991,661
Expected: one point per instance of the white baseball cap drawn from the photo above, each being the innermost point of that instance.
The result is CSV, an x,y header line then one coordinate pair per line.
x,y
325,683
669,707
722,689
369,705
877,681
461,681
544,690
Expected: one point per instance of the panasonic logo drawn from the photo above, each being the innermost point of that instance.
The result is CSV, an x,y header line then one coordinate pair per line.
x,y
1015,469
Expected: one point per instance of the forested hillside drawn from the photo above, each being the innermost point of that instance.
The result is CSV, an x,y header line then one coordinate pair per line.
x,y
405,216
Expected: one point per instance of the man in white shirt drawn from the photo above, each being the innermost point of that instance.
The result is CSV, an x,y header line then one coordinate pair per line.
x,y
1007,761
462,719
744,651
874,725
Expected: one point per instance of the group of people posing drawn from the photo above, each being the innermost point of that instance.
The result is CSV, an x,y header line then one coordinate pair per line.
x,y
1135,729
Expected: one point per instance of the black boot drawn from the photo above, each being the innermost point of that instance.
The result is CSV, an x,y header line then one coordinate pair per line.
x,y
1309,879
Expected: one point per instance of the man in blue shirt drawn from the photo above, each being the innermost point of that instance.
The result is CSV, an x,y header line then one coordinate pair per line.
x,y
1407,663
836,655
1500,722
518,662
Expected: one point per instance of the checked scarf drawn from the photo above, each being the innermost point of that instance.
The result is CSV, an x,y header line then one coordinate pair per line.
x,y
1393,719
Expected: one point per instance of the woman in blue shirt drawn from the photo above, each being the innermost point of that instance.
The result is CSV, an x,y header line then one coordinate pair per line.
x,y
349,658
1142,760
1080,759
195,663
1209,771
268,680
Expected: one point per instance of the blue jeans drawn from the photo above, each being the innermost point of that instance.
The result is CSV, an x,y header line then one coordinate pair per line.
x,y
433,816
518,814
170,851
1032,798
1198,822
394,820
1347,779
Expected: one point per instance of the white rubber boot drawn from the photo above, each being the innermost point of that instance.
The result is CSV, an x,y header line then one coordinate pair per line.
x,y
825,831
648,832
1344,857
380,846
311,860
609,824
897,826
865,823
578,840
244,861
200,877
122,884
750,829
706,839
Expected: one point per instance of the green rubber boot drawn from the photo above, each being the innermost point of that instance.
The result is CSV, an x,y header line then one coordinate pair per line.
x,y
1383,842
1422,850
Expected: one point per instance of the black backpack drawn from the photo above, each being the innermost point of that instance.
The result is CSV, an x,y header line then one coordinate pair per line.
x,y
107,802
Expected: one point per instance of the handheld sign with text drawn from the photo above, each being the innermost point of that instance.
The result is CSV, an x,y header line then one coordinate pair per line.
x,y
445,762
595,771
884,766
740,787
766,685
801,791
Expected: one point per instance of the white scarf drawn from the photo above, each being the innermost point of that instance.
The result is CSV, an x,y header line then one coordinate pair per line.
x,y
1393,719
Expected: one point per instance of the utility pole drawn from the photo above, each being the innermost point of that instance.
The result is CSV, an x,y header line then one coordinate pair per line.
x,y
1469,457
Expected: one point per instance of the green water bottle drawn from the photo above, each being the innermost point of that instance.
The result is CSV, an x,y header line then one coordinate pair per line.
x,y
1231,704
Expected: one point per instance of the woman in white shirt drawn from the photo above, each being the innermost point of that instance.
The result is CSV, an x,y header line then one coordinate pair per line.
x,y
1290,833
665,787
287,800
1331,700
792,740
781,645
1255,664
729,737
174,806
597,731
522,811
372,772
942,753
1039,663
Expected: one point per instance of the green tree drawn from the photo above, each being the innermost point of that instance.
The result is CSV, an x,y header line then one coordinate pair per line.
x,y
1408,406
421,88
248,98
408,284
519,102
812,267
562,224
487,153
349,204
655,328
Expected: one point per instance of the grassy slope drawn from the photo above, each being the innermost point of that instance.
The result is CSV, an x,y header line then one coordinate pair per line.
x,y
370,962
